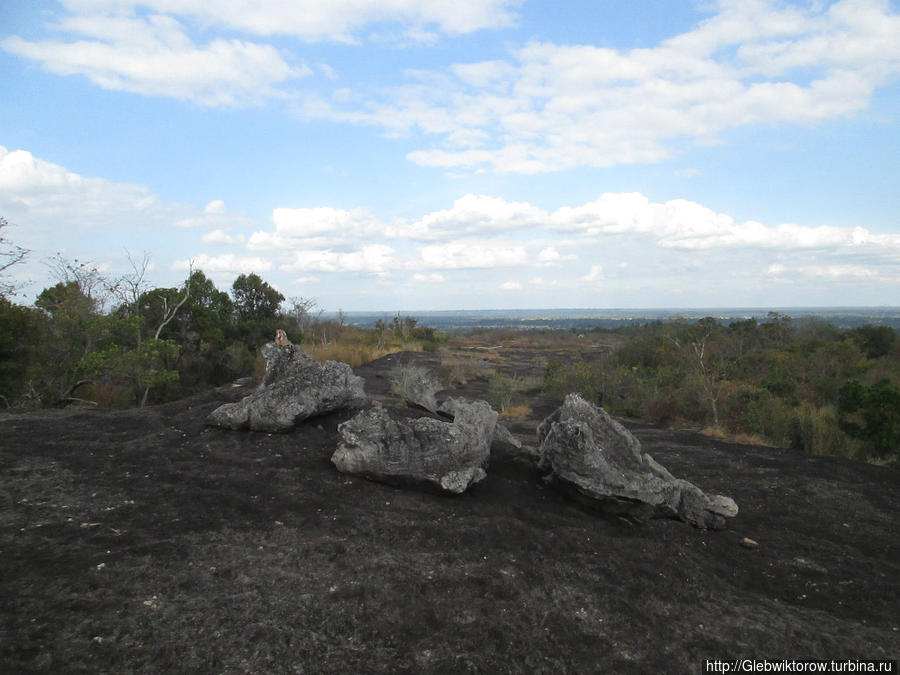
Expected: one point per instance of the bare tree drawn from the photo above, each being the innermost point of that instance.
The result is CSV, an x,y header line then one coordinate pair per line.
x,y
85,273
708,367
10,254
129,287
169,313
301,311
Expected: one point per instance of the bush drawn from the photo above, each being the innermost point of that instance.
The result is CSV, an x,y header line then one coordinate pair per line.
x,y
815,430
872,415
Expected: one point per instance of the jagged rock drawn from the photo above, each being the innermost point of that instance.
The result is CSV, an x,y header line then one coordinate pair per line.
x,y
294,388
422,451
587,454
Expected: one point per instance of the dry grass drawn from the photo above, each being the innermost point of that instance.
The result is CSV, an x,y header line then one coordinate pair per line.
x,y
741,438
517,412
714,432
352,354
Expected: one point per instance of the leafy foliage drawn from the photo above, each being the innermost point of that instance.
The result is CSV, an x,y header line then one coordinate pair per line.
x,y
809,386
871,414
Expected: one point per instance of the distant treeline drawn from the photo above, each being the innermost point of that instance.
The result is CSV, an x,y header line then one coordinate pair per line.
x,y
805,384
585,320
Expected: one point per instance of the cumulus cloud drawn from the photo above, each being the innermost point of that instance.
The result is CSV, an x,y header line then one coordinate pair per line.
x,y
511,286
215,207
551,107
41,194
684,224
220,237
227,262
472,254
373,258
471,215
314,227
635,247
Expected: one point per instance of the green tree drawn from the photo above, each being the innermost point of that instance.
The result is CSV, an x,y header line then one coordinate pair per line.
x,y
871,414
254,299
22,330
145,367
875,341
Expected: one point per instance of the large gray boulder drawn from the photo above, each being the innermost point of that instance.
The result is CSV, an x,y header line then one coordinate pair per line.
x,y
588,455
419,451
294,388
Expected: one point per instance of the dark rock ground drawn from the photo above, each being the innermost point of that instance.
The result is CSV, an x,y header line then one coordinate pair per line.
x,y
142,541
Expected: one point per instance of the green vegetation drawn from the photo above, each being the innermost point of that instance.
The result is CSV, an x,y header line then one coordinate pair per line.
x,y
94,340
805,385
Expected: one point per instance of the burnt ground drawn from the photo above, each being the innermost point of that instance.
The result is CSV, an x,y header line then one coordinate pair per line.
x,y
143,541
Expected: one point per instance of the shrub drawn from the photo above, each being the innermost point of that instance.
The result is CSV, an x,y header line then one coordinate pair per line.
x,y
815,430
872,415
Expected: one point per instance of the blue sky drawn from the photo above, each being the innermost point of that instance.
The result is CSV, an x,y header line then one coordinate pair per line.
x,y
466,154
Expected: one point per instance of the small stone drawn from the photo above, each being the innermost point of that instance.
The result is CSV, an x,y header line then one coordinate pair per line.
x,y
747,542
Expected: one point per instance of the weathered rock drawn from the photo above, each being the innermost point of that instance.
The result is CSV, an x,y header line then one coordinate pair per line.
x,y
294,388
422,451
587,454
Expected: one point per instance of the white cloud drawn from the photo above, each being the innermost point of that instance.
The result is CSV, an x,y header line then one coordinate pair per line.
x,y
471,254
595,274
471,215
215,207
43,195
227,262
336,20
684,224
154,56
552,107
311,227
511,286
433,278
220,237
147,46
372,258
